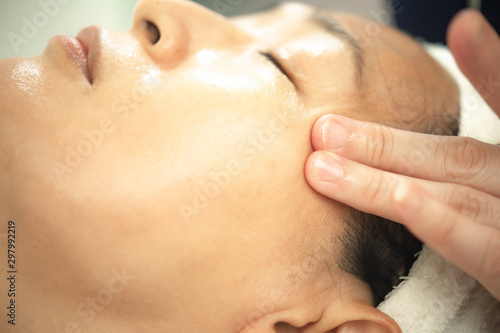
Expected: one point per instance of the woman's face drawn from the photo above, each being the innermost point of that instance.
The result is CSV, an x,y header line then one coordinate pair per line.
x,y
176,155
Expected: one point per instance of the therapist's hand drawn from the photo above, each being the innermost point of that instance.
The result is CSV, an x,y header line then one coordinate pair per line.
x,y
446,190
476,48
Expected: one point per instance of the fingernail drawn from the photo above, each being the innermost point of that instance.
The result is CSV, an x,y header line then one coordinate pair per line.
x,y
410,200
328,170
334,135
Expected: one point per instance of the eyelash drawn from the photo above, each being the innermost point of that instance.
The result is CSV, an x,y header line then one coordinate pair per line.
x,y
276,63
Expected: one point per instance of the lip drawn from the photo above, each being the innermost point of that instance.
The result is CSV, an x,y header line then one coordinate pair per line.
x,y
90,39
78,51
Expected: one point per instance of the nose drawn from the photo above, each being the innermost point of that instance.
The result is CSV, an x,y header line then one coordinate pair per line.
x,y
184,28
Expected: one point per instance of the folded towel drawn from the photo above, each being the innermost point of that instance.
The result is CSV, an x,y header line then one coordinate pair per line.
x,y
437,297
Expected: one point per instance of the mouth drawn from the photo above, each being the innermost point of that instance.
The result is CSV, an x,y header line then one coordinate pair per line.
x,y
84,49
90,39
78,52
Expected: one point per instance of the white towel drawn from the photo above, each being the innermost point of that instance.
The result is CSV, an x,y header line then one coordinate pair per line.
x,y
437,297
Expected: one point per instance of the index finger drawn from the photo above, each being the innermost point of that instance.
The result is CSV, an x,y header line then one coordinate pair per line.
x,y
438,158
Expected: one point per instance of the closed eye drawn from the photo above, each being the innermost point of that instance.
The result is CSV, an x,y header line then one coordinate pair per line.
x,y
276,63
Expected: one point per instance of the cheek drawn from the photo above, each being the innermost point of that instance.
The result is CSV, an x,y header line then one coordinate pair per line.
x,y
245,211
260,212
137,172
233,161
257,177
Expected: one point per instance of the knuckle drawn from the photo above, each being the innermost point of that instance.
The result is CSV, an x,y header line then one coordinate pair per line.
x,y
464,159
380,142
467,202
376,189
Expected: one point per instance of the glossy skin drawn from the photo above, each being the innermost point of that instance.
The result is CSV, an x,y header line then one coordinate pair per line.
x,y
451,200
104,179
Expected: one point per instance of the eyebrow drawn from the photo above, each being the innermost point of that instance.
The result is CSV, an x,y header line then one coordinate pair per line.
x,y
328,23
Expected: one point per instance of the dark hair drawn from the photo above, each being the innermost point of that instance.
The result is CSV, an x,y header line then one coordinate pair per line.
x,y
379,251
376,251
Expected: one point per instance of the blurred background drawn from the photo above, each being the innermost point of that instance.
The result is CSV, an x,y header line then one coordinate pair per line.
x,y
27,25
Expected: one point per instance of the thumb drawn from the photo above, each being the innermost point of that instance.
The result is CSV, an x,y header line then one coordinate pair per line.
x,y
476,48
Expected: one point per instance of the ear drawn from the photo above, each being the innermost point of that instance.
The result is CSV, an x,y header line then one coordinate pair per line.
x,y
365,318
357,317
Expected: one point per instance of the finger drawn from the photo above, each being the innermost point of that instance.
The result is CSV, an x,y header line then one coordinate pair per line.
x,y
472,247
438,158
369,190
476,48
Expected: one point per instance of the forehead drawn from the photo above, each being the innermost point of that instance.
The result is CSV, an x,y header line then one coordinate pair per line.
x,y
395,68
295,19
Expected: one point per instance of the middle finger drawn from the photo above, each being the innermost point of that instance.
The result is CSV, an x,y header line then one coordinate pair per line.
x,y
369,189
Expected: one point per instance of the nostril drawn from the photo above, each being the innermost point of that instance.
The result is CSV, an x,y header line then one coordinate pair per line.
x,y
152,31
